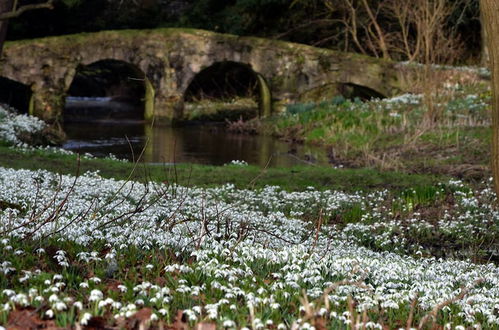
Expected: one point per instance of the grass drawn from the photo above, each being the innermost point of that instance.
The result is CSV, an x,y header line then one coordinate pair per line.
x,y
292,179
221,111
391,135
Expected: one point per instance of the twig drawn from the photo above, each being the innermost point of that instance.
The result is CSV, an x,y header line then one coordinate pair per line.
x,y
433,314
19,11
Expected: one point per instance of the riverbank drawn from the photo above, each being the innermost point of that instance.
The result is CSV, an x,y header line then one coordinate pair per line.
x,y
243,176
393,134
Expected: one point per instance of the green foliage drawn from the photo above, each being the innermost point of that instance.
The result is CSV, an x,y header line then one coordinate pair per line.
x,y
315,22
388,133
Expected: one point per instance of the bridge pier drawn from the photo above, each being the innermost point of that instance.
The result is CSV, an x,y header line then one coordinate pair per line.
x,y
168,108
47,104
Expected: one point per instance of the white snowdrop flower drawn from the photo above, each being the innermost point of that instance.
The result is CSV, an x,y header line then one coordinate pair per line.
x,y
459,327
139,302
57,277
163,311
117,305
102,304
229,324
149,266
20,299
78,305
47,282
18,252
40,251
171,268
24,278
197,309
281,326
32,292
95,295
130,313
306,325
39,298
53,298
122,288
60,306
95,279
185,269
84,285
49,313
191,316
9,292
154,317
85,318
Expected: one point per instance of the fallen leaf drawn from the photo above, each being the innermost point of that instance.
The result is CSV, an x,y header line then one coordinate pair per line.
x,y
96,323
23,319
139,319
143,315
205,326
180,322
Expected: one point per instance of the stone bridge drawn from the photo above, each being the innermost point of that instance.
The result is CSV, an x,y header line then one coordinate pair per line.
x,y
169,60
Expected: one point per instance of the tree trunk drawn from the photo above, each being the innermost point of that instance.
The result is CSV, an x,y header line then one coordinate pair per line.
x,y
5,7
484,53
490,20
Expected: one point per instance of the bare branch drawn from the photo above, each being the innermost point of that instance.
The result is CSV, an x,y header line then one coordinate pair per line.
x,y
19,11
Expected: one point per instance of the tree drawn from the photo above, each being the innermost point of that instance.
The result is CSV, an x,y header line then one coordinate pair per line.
x,y
11,9
490,20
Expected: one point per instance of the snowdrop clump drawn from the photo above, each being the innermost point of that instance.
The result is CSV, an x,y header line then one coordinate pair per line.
x,y
237,162
236,251
413,99
13,125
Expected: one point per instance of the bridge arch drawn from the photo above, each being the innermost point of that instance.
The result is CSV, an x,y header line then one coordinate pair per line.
x,y
122,85
227,79
17,95
351,91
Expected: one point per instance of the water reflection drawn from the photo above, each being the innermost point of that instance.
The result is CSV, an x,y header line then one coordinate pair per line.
x,y
203,144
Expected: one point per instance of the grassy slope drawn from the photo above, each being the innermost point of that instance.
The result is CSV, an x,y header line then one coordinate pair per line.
x,y
393,136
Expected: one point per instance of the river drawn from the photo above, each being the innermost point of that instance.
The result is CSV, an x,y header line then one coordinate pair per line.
x,y
201,144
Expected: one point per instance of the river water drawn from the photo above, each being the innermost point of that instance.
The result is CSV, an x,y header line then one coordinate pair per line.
x,y
202,144
99,126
